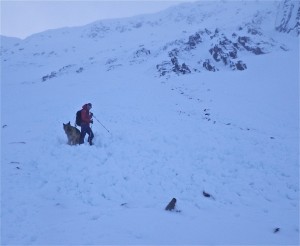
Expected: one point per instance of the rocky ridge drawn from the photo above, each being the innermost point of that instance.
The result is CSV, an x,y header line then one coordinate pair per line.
x,y
214,51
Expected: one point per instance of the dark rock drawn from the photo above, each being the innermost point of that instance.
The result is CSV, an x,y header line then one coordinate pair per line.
x,y
233,54
49,76
171,205
179,69
208,66
164,68
193,41
240,65
142,52
243,40
288,18
254,31
247,43
174,61
173,53
224,51
79,70
216,52
206,194
185,69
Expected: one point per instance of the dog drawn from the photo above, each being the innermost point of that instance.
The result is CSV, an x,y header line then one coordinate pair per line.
x,y
73,134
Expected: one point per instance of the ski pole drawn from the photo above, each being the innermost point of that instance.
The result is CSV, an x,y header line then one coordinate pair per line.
x,y
101,123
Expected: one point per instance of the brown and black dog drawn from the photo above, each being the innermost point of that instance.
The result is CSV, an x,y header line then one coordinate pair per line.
x,y
73,134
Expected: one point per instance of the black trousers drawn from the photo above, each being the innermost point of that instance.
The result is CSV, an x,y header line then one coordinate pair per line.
x,y
85,129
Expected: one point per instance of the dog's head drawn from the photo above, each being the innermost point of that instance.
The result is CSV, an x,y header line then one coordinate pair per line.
x,y
67,127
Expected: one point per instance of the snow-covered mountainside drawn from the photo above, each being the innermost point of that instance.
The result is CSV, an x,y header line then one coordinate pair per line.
x,y
201,102
181,40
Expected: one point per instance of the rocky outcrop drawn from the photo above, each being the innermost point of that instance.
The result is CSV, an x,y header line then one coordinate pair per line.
x,y
142,52
209,66
288,17
249,45
164,68
62,71
240,65
177,68
173,65
194,40
224,51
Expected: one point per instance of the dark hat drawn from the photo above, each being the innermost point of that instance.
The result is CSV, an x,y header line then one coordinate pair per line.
x,y
89,104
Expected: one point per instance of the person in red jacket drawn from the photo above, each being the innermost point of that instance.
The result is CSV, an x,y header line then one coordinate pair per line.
x,y
86,120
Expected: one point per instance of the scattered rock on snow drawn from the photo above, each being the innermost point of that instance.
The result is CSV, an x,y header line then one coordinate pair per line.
x,y
205,194
171,205
276,230
209,66
142,52
240,65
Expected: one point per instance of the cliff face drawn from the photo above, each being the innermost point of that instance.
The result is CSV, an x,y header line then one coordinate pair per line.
x,y
288,17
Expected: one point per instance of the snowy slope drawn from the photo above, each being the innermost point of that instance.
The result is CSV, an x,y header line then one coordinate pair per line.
x,y
231,133
288,17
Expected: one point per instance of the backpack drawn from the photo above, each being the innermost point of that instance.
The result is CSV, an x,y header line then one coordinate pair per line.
x,y
78,118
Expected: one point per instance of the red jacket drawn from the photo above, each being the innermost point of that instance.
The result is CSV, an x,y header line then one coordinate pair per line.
x,y
85,115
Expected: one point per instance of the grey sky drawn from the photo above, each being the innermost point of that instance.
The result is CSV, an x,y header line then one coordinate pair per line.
x,y
22,18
